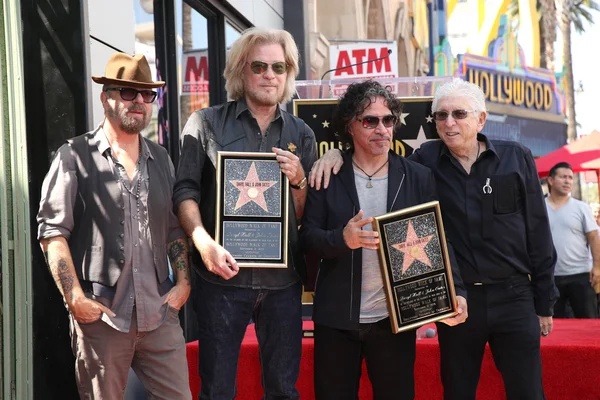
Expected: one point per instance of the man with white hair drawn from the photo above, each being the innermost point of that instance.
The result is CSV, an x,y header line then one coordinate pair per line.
x,y
494,215
260,74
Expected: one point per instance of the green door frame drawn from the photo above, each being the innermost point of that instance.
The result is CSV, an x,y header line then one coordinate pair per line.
x,y
17,349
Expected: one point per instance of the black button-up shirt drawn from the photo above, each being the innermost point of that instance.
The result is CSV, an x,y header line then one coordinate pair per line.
x,y
495,216
244,136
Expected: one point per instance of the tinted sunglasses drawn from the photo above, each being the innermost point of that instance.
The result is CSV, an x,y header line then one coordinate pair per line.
x,y
456,114
259,67
371,121
129,94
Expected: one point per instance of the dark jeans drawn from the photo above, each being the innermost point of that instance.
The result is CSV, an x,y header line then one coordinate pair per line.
x,y
223,316
338,362
502,315
579,293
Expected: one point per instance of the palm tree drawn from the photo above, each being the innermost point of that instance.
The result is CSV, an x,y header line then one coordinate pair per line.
x,y
547,33
577,13
546,9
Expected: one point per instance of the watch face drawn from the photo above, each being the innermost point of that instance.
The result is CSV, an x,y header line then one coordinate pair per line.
x,y
300,185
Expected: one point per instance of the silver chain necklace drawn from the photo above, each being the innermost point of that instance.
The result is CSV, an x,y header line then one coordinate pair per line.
x,y
138,185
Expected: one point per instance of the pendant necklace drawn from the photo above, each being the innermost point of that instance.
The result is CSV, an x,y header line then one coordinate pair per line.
x,y
369,183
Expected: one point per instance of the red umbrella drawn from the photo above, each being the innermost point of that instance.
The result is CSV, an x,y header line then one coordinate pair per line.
x,y
582,154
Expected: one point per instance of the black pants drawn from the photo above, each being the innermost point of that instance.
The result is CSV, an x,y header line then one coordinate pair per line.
x,y
579,293
503,315
390,362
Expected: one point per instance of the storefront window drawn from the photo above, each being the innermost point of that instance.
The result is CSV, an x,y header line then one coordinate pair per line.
x,y
193,90
231,35
145,44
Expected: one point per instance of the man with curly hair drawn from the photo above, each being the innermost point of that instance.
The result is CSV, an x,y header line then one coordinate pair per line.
x,y
494,213
350,310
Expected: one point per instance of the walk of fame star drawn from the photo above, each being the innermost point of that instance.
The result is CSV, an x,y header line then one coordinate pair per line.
x,y
252,189
413,248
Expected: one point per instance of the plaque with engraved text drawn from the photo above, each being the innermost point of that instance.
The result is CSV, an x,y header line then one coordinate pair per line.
x,y
416,270
252,209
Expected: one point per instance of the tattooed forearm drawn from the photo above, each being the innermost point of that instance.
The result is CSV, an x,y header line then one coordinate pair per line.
x,y
178,254
63,277
66,278
60,263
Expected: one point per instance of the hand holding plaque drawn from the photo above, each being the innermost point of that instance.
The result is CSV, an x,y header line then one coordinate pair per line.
x,y
415,266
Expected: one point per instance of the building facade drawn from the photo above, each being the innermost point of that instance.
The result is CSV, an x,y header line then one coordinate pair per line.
x,y
48,51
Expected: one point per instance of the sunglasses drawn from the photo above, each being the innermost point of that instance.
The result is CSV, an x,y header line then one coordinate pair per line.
x,y
456,114
259,67
129,94
371,121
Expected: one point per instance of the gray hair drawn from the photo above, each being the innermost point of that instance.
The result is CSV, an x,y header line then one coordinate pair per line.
x,y
460,88
234,68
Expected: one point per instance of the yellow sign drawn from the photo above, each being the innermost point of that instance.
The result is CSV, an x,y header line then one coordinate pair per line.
x,y
513,90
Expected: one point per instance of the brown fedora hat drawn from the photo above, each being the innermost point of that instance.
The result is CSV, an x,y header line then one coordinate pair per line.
x,y
123,69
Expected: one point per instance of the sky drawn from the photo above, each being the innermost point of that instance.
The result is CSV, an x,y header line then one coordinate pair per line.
x,y
585,71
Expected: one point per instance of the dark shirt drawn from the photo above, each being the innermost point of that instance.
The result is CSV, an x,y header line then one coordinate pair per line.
x,y
199,146
501,233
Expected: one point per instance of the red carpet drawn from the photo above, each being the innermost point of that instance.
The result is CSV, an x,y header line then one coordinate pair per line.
x,y
570,356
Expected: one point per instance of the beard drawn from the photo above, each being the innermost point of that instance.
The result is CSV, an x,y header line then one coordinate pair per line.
x,y
262,98
129,124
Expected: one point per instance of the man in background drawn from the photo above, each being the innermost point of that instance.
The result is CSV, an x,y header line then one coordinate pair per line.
x,y
575,233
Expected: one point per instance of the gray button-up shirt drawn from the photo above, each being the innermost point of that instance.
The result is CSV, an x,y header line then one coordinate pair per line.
x,y
138,284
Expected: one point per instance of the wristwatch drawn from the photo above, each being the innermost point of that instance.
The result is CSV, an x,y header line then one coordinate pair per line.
x,y
300,185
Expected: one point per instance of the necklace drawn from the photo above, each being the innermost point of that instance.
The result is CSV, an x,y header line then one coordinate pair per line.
x,y
369,183
138,185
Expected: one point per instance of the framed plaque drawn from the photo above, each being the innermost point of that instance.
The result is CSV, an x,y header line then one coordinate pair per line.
x,y
252,209
417,276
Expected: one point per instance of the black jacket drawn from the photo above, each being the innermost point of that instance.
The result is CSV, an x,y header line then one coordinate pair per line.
x,y
327,211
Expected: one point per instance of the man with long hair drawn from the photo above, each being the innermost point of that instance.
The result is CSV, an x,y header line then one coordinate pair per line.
x,y
260,74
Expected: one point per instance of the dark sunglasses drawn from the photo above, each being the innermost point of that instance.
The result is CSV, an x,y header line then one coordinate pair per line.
x,y
129,94
371,121
456,114
259,67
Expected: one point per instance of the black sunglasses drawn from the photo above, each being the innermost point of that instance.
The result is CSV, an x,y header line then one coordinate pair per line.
x,y
259,67
371,121
129,94
456,114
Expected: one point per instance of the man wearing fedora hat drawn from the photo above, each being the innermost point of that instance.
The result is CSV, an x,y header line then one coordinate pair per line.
x,y
108,232
260,72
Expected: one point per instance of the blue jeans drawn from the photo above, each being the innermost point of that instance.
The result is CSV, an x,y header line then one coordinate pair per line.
x,y
223,316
